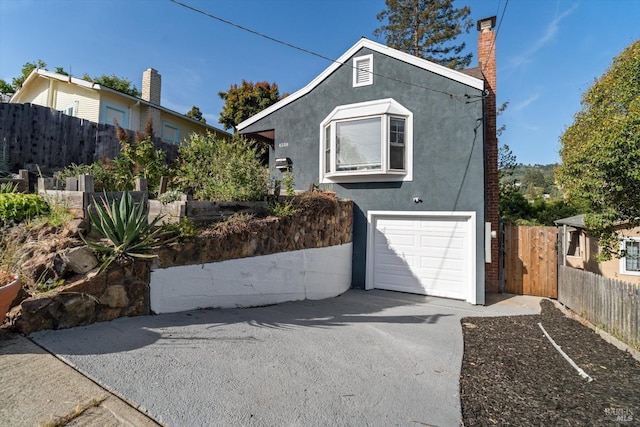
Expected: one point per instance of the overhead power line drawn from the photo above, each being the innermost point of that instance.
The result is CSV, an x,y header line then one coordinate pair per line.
x,y
493,43
273,39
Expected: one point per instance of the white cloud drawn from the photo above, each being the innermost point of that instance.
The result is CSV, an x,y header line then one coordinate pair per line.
x,y
523,104
549,34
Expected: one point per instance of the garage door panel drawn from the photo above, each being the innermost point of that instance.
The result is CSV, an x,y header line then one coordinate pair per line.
x,y
427,241
424,254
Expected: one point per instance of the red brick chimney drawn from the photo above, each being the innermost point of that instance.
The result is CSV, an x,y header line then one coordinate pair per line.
x,y
487,64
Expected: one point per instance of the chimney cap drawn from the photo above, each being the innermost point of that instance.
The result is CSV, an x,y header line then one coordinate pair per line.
x,y
486,24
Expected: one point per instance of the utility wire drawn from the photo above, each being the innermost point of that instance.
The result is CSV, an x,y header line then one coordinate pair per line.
x,y
217,18
506,3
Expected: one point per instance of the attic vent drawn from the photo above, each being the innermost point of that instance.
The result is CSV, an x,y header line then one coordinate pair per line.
x,y
363,70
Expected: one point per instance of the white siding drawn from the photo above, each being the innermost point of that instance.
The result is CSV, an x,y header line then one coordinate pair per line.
x,y
37,93
88,100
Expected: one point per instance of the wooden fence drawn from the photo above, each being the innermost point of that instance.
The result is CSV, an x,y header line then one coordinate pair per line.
x,y
33,135
530,260
610,304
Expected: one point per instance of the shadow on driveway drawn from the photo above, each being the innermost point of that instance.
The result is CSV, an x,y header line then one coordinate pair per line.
x,y
373,358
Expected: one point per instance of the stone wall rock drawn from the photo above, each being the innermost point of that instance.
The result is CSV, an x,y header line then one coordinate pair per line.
x,y
118,291
307,230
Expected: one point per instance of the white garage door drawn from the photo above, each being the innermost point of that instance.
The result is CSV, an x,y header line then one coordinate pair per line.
x,y
430,253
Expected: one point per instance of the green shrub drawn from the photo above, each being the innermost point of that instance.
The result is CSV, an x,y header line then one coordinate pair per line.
x,y
8,187
125,225
139,159
170,196
102,172
219,169
15,207
282,208
183,230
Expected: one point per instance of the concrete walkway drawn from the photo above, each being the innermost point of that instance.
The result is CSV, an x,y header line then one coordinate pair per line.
x,y
39,389
370,358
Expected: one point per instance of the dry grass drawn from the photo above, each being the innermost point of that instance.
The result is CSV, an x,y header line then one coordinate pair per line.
x,y
316,202
79,410
6,277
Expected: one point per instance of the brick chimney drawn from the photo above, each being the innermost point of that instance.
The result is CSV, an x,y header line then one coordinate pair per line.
x,y
151,84
487,64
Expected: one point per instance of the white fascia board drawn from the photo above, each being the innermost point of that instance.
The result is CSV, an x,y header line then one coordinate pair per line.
x,y
377,47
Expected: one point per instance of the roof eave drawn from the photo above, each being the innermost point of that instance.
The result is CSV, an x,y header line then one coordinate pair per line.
x,y
377,47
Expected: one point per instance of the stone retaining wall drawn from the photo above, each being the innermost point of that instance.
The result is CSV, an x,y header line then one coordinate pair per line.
x,y
120,290
124,290
240,239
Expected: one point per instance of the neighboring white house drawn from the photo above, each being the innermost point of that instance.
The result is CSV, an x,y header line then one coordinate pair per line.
x,y
100,104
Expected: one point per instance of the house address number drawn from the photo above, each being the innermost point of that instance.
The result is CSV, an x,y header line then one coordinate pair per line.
x,y
283,144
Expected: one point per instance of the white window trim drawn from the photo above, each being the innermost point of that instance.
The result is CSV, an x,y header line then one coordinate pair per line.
x,y
623,260
356,61
382,107
166,125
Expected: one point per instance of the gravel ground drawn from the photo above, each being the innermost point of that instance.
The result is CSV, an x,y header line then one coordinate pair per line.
x,y
512,374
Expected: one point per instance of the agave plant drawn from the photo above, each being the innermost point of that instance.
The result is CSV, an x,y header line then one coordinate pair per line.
x,y
125,224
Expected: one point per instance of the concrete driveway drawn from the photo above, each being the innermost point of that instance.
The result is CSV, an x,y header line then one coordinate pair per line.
x,y
365,358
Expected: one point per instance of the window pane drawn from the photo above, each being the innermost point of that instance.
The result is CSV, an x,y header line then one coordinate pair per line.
x,y
327,149
396,143
358,144
632,257
113,113
170,133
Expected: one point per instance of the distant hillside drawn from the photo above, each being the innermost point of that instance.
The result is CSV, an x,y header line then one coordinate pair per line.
x,y
534,180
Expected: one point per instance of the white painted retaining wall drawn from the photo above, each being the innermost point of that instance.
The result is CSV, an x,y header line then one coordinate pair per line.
x,y
249,282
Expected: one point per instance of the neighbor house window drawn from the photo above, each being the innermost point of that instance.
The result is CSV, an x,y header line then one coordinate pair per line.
x,y
170,133
573,243
363,71
111,113
367,141
71,110
630,263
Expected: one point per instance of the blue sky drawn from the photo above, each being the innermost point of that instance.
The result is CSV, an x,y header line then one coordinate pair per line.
x,y
548,51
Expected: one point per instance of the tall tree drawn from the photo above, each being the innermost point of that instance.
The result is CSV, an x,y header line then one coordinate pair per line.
x,y
242,102
27,68
121,84
427,29
6,87
196,114
601,150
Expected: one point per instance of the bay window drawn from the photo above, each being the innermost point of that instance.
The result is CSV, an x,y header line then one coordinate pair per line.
x,y
367,141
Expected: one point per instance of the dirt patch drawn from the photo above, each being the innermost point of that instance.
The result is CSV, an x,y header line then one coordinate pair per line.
x,y
512,375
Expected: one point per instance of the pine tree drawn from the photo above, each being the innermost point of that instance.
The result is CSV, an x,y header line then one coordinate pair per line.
x,y
427,28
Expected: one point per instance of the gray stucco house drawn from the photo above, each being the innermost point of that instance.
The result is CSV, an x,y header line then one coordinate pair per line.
x,y
413,144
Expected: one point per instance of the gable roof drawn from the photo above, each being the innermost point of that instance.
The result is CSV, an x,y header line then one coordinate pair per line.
x,y
449,73
95,86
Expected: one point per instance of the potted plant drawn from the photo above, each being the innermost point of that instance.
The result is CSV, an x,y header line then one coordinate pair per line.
x,y
9,287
